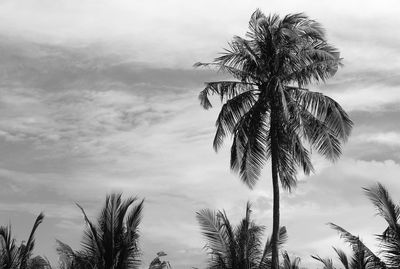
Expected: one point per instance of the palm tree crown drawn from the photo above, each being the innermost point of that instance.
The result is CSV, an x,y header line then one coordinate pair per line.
x,y
13,256
235,247
271,67
267,109
111,243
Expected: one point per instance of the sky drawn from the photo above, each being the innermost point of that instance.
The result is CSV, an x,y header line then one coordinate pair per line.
x,y
100,96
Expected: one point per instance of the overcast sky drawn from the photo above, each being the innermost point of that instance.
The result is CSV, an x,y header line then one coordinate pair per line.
x,y
100,96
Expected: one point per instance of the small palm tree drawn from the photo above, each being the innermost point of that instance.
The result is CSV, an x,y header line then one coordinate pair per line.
x,y
267,109
235,247
38,262
158,264
20,257
358,259
390,238
289,263
111,243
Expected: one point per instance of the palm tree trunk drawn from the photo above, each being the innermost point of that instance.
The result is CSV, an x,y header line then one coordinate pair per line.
x,y
274,129
275,187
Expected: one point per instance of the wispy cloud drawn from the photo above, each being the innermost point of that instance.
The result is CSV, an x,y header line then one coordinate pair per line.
x,y
103,98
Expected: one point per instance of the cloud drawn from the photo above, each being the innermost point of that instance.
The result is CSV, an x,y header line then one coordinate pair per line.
x,y
375,96
188,33
104,99
389,138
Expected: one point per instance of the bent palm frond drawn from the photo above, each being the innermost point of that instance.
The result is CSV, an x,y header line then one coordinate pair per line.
x,y
225,89
26,250
267,253
231,112
390,239
342,257
357,244
213,230
328,264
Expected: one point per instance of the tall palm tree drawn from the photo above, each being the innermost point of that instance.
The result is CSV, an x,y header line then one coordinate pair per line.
x,y
267,108
390,238
13,256
111,243
236,247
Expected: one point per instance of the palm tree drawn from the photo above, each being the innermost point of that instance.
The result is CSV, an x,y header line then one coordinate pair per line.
x,y
267,108
358,259
20,257
38,262
235,247
156,263
389,240
289,263
111,243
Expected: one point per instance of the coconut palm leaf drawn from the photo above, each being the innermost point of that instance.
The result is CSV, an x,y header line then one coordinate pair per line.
x,y
386,208
357,246
26,250
343,258
265,261
213,230
328,264
91,242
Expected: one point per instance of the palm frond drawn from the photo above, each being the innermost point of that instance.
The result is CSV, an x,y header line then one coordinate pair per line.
x,y
251,139
342,257
91,242
328,264
390,239
266,257
225,89
324,109
315,61
385,206
357,244
231,112
26,250
212,230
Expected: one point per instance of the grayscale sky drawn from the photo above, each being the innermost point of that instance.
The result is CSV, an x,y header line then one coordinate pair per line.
x,y
99,96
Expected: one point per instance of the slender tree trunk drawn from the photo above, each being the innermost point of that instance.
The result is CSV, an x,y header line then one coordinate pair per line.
x,y
274,129
275,186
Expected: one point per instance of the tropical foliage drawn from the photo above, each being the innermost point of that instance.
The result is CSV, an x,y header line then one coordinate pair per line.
x,y
235,247
111,242
389,240
288,263
13,256
157,263
357,260
266,107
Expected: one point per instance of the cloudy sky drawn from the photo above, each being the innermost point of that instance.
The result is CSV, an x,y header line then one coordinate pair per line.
x,y
99,96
